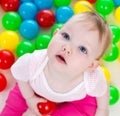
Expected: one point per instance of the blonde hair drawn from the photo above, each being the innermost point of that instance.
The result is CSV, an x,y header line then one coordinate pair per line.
x,y
97,22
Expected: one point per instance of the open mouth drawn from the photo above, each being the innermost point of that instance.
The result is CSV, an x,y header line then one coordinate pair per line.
x,y
60,59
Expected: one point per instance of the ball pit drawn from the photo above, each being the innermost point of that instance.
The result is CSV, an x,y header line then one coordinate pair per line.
x,y
23,32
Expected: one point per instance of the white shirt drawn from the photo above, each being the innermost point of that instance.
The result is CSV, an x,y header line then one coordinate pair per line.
x,y
29,68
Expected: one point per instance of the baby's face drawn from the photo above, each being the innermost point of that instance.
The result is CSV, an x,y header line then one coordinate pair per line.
x,y
73,48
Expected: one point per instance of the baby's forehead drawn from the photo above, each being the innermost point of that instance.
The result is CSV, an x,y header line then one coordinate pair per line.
x,y
80,23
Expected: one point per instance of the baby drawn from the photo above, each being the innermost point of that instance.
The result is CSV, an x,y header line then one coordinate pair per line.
x,y
67,72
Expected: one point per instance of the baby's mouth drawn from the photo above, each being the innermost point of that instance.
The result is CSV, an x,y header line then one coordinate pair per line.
x,y
60,59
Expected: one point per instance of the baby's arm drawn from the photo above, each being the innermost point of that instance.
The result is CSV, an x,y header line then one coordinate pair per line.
x,y
103,105
30,97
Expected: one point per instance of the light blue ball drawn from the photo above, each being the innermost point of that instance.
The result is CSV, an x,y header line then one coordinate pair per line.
x,y
29,29
26,0
27,10
116,2
63,14
44,4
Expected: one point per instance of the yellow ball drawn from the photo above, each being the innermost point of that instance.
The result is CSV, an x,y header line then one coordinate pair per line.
x,y
81,6
119,58
117,14
9,40
106,73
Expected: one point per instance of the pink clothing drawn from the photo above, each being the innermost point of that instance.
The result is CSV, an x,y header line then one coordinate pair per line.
x,y
16,106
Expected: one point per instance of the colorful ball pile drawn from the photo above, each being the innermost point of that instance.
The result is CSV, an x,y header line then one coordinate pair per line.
x,y
24,20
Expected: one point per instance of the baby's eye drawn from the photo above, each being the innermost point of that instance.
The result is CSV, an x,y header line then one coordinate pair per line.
x,y
83,49
66,36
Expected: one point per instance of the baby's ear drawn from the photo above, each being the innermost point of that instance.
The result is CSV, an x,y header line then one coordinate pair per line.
x,y
94,65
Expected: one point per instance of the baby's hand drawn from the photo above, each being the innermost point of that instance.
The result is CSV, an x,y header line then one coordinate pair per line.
x,y
32,104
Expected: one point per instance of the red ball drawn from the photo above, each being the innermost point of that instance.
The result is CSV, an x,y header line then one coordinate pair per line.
x,y
10,5
3,82
92,1
47,107
45,18
6,59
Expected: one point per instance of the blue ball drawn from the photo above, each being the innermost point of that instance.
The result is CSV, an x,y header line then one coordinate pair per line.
x,y
116,2
44,4
27,10
63,14
26,0
29,29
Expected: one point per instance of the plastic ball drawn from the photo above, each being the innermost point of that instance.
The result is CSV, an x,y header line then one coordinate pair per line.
x,y
106,73
10,5
46,108
29,29
26,0
81,6
59,3
115,33
114,95
6,59
44,4
112,54
119,58
104,7
25,46
56,26
63,14
42,41
9,40
117,14
92,1
45,18
27,10
3,82
116,2
11,21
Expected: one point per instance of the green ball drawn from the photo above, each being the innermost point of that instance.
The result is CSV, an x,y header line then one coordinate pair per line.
x,y
114,95
25,46
115,33
59,3
54,27
11,21
104,7
42,41
112,54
